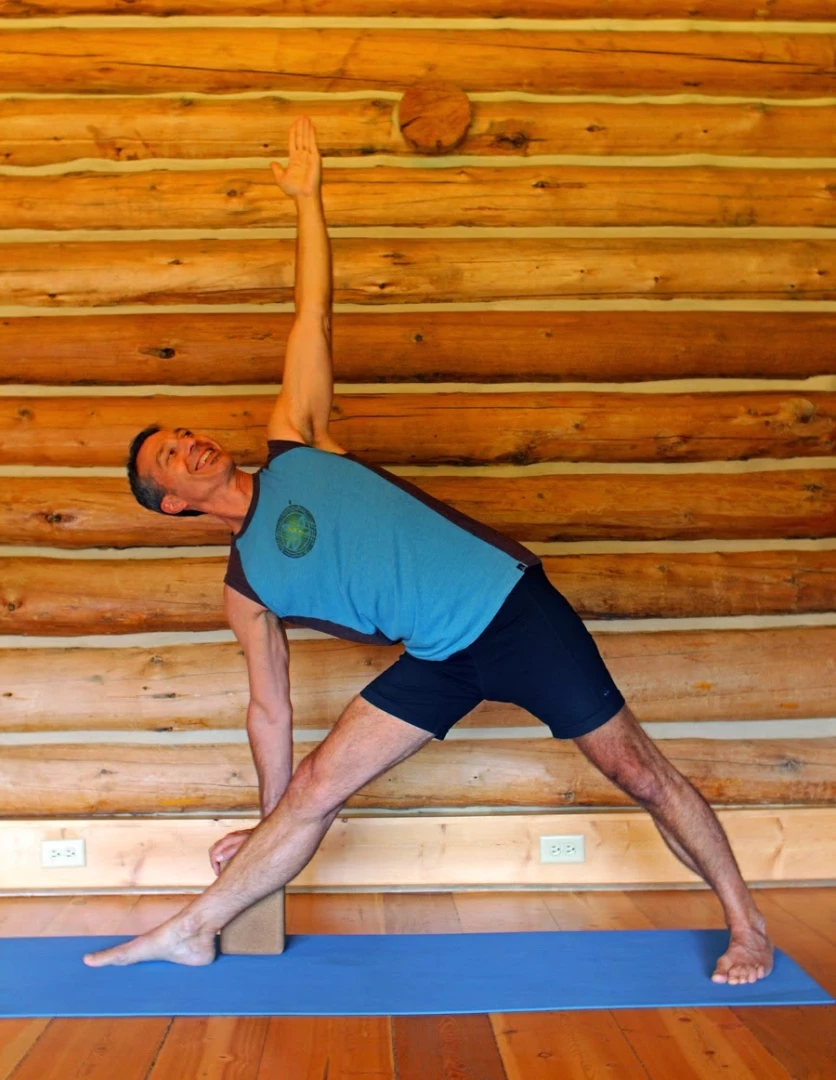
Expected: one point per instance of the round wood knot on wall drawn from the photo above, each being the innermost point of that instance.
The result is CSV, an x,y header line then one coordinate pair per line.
x,y
434,117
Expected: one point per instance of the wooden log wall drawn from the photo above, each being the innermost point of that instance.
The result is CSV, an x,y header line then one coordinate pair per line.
x,y
603,325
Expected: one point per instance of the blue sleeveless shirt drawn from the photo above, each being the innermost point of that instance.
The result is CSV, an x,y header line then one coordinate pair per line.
x,y
337,545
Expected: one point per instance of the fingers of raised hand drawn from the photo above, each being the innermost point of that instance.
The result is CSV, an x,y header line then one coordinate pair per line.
x,y
307,133
302,135
293,137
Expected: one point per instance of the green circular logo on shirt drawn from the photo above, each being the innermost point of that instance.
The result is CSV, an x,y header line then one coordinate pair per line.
x,y
295,531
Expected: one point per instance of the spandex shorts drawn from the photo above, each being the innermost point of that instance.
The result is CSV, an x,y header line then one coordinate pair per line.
x,y
536,653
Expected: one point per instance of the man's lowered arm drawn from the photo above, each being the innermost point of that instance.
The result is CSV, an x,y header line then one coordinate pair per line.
x,y
269,714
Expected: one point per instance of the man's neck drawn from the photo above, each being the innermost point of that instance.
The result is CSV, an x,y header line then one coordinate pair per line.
x,y
233,503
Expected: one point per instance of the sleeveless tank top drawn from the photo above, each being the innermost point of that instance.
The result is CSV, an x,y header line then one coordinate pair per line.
x,y
332,543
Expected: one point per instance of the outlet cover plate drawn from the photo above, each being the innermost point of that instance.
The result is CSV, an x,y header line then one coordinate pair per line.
x,y
59,854
562,849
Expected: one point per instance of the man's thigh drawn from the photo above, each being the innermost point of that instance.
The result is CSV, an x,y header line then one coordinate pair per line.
x,y
364,743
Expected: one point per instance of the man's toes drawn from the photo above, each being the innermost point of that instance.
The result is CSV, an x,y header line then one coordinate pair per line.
x,y
97,959
119,954
722,971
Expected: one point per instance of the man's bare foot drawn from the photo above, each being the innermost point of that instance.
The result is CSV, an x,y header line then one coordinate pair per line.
x,y
170,941
748,957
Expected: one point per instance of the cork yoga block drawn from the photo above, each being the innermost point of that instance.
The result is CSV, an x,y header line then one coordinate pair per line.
x,y
258,930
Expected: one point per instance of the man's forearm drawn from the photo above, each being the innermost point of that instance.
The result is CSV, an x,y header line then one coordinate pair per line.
x,y
313,257
271,743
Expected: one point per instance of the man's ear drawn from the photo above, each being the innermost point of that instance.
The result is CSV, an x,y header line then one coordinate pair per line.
x,y
172,504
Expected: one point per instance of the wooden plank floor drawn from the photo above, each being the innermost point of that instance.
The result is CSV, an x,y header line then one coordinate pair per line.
x,y
658,1044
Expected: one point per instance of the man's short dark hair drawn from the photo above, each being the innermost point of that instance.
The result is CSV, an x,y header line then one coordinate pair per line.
x,y
146,492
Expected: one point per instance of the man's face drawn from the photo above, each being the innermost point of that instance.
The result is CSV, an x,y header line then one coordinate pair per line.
x,y
189,467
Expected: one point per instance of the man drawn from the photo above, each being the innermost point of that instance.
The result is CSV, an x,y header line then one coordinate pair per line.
x,y
324,540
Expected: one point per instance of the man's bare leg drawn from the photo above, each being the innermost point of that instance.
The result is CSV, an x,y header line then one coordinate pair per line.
x,y
364,743
688,825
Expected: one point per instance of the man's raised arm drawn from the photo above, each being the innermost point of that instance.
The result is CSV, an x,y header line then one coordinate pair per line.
x,y
304,404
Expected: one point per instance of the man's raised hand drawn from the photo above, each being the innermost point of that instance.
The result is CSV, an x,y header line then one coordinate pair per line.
x,y
303,175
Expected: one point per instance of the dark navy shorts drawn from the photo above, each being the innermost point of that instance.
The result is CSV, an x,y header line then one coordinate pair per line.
x,y
536,653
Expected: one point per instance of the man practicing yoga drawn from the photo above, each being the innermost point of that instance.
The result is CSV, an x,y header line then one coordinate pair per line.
x,y
326,541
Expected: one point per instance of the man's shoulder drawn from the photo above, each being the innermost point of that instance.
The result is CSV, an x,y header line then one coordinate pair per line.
x,y
236,581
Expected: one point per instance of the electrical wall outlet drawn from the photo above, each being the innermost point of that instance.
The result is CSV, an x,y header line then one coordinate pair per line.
x,y
62,853
562,849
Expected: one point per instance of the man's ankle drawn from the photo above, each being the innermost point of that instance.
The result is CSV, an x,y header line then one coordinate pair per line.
x,y
747,922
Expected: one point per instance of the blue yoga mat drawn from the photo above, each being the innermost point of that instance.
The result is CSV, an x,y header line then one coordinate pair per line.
x,y
396,975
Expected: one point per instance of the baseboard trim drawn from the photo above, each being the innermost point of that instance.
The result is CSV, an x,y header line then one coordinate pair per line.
x,y
623,850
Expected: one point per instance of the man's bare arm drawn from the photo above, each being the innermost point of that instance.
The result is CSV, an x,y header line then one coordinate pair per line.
x,y
304,404
270,713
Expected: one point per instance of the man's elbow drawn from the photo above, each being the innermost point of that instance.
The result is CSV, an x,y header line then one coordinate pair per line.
x,y
277,714
314,316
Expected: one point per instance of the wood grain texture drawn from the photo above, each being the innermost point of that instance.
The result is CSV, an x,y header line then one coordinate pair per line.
x,y
212,60
797,503
55,597
433,117
316,1047
571,195
690,1042
374,271
18,919
371,851
44,131
795,10
212,1048
85,779
689,675
467,428
425,346
97,1049
17,1037
572,1045
800,1038
816,913
460,1046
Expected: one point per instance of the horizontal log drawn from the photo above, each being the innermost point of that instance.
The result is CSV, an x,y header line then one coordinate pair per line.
x,y
426,346
98,273
401,851
62,596
39,131
743,10
469,428
797,503
690,675
38,781
438,197
211,60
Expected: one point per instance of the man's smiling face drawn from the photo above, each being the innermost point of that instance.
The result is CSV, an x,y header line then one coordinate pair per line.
x,y
188,467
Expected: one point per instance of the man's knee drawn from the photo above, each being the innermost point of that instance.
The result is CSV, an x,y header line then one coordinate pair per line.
x,y
311,792
631,760
642,782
